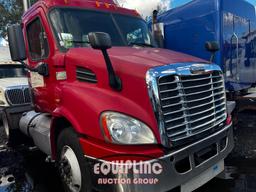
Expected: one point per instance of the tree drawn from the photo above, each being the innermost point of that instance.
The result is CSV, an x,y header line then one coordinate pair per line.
x,y
11,12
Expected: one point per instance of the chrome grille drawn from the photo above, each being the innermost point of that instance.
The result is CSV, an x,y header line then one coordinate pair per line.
x,y
188,101
18,96
191,104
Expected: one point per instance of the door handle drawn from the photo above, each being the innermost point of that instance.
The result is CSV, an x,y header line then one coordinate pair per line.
x,y
237,50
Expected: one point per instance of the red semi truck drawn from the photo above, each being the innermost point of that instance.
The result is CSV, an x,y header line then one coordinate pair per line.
x,y
104,94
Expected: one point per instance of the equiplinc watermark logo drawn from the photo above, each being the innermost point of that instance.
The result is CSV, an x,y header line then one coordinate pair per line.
x,y
128,172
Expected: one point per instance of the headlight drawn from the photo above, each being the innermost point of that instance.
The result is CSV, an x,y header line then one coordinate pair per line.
x,y
2,98
122,129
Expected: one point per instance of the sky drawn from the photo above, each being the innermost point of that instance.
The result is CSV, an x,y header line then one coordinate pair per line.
x,y
146,8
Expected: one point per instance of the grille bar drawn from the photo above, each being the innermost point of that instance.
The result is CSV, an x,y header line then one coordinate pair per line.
x,y
201,131
184,81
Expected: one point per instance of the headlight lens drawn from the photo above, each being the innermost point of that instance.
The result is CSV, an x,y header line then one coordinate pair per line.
x,y
122,129
2,98
2,102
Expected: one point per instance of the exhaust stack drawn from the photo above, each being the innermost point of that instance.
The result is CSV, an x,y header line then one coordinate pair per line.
x,y
158,30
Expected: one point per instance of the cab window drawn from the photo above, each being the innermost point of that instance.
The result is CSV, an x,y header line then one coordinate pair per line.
x,y
37,40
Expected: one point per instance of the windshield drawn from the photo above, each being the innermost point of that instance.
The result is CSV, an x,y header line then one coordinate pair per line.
x,y
72,27
10,71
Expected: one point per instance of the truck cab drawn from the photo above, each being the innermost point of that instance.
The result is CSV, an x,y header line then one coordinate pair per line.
x,y
103,92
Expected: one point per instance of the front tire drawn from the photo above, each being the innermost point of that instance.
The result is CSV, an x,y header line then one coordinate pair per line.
x,y
71,163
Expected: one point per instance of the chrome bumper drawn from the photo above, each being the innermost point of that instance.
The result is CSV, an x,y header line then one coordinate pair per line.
x,y
172,176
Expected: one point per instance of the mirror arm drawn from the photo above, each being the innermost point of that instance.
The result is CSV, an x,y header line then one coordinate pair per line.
x,y
28,67
114,80
41,69
212,57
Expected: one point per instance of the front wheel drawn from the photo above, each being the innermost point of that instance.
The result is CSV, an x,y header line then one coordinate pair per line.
x,y
71,163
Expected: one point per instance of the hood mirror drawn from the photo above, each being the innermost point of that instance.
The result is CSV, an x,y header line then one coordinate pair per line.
x,y
102,41
212,47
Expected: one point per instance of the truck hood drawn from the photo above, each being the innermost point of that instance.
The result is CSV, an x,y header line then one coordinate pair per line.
x,y
131,65
12,82
131,59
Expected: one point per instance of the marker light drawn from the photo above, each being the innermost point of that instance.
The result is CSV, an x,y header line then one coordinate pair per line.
x,y
97,4
107,5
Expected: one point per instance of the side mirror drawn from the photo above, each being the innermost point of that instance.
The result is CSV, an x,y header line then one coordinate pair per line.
x,y
212,47
16,43
100,40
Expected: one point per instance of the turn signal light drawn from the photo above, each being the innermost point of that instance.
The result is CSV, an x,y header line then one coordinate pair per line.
x,y
105,128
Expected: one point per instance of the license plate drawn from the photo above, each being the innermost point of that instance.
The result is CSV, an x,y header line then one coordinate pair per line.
x,y
203,178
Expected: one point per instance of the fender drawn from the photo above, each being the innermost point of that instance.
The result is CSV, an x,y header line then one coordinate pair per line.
x,y
61,112
86,104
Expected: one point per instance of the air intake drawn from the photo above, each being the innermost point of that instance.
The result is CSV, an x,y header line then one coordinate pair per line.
x,y
85,75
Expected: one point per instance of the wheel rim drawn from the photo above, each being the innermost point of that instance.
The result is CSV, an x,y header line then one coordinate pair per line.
x,y
6,126
70,170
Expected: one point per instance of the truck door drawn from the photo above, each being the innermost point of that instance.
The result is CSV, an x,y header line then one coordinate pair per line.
x,y
38,43
241,32
235,32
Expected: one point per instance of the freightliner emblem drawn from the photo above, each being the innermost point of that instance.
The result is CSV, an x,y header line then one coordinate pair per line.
x,y
197,69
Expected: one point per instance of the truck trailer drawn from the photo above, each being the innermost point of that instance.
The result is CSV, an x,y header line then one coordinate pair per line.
x,y
104,95
230,23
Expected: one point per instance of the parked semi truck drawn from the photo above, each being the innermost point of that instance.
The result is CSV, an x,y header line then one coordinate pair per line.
x,y
230,23
14,89
102,92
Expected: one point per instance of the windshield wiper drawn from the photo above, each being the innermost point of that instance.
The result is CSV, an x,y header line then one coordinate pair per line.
x,y
81,42
140,44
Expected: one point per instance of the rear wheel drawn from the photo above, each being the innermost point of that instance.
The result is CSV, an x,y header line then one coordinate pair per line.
x,y
71,163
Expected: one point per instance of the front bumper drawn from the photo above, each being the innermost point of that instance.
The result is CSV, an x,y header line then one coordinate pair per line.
x,y
179,166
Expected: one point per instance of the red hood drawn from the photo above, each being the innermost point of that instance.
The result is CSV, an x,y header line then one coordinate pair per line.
x,y
128,59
